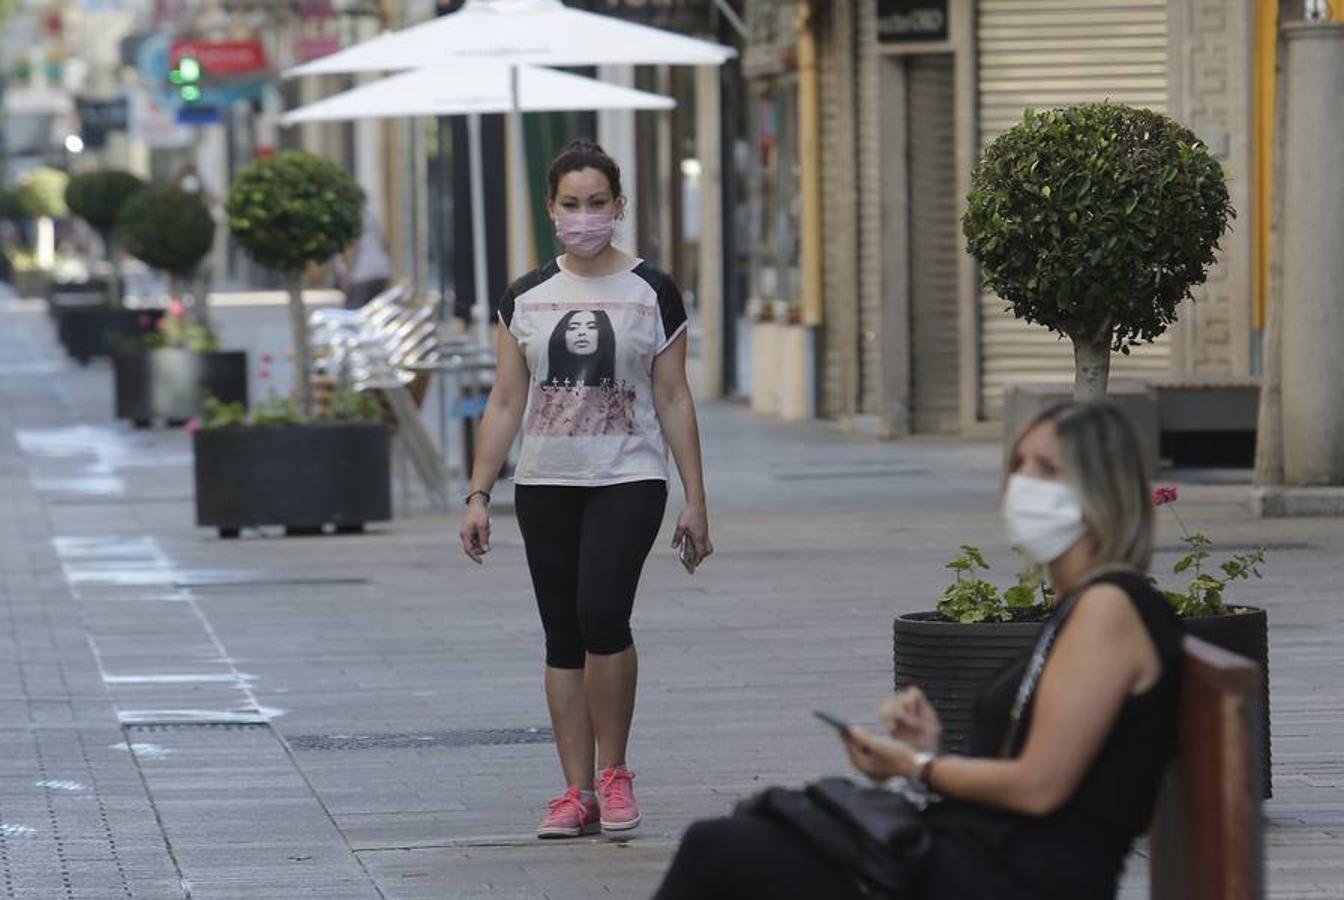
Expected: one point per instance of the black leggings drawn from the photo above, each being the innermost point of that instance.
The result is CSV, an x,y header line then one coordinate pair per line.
x,y
586,549
750,858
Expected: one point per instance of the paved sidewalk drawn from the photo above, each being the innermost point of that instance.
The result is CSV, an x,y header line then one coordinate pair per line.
x,y
361,717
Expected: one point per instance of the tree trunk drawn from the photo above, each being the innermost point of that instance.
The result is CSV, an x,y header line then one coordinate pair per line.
x,y
298,323
1091,367
113,251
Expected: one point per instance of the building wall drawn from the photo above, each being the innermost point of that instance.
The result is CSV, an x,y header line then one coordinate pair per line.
x,y
841,370
1211,88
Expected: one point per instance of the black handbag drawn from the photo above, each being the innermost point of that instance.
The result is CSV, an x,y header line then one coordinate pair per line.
x,y
874,834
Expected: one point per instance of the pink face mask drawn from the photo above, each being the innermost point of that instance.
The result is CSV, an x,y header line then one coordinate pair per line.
x,y
584,234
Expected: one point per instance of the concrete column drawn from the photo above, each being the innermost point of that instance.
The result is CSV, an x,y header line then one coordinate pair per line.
x,y
708,131
1313,276
616,134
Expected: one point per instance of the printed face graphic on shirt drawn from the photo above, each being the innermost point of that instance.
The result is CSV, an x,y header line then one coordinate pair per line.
x,y
581,334
580,396
582,350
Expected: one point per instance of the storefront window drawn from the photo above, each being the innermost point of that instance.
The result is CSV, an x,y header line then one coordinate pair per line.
x,y
774,280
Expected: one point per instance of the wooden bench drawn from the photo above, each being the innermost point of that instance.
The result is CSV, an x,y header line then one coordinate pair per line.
x,y
1207,838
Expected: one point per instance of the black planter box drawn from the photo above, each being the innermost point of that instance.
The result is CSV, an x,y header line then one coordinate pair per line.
x,y
89,331
300,476
953,663
172,384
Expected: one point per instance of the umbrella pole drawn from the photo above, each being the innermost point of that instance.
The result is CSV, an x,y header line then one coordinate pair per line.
x,y
478,230
445,223
521,212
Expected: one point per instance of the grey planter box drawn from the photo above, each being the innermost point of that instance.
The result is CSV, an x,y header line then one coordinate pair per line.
x,y
303,477
172,385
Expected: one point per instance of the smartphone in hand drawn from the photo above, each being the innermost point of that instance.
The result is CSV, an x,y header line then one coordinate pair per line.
x,y
835,722
686,553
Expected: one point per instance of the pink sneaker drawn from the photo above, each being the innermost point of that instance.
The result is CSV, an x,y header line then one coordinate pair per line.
x,y
569,815
616,799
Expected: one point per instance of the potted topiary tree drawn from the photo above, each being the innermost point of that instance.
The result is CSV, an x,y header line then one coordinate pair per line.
x,y
1096,221
178,365
288,463
97,198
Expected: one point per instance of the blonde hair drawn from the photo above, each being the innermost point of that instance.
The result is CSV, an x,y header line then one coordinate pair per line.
x,y
1104,462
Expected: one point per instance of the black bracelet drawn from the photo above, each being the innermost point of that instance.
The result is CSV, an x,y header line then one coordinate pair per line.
x,y
485,494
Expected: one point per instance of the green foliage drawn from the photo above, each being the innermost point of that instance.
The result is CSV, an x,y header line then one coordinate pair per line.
x,y
971,599
346,405
1204,595
10,207
1096,220
293,209
167,228
97,197
222,415
42,193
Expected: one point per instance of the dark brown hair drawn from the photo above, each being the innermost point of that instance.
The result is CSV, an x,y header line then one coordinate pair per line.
x,y
582,153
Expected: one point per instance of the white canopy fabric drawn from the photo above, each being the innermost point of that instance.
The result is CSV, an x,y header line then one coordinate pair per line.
x,y
485,88
540,32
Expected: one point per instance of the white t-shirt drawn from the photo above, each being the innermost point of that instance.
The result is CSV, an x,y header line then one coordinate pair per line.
x,y
590,345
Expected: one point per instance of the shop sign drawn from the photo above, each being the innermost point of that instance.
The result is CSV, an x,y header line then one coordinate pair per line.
x,y
318,31
222,57
98,117
910,21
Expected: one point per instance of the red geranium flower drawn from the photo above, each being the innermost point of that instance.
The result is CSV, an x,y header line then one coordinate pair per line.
x,y
1164,494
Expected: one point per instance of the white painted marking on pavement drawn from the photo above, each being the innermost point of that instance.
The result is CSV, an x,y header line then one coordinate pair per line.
x,y
225,678
148,751
56,785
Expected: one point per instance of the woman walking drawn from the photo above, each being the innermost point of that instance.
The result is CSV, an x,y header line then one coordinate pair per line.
x,y
592,365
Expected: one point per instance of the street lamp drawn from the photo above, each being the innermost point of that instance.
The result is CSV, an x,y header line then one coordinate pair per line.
x,y
74,143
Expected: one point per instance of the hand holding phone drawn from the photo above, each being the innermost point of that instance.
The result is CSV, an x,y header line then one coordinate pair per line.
x,y
686,553
835,722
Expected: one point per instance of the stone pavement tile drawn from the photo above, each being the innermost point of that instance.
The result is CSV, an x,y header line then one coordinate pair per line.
x,y
581,870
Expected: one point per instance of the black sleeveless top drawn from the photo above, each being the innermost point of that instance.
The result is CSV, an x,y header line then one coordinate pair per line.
x,y
1078,851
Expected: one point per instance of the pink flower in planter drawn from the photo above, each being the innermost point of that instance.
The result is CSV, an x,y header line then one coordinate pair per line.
x,y
267,359
264,372
192,426
177,309
1164,494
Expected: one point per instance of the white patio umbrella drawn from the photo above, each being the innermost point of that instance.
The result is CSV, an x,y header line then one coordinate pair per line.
x,y
516,32
474,89
486,88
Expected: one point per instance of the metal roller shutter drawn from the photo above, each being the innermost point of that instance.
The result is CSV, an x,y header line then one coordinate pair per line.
x,y
933,244
1048,53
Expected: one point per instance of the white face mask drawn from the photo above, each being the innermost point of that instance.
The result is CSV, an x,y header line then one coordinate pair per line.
x,y
1044,518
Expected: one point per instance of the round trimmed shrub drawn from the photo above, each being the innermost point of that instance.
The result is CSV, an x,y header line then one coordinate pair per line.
x,y
167,228
1096,221
42,193
97,197
287,211
294,208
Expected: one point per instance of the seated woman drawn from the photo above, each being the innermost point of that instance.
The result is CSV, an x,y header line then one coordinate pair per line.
x,y
1054,815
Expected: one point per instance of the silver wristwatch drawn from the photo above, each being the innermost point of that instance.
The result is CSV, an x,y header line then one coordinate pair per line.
x,y
922,760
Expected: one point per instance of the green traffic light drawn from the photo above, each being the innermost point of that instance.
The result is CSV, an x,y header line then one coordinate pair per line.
x,y
191,93
189,69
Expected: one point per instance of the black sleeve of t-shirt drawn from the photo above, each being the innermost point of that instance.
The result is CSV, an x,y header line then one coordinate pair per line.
x,y
671,308
522,286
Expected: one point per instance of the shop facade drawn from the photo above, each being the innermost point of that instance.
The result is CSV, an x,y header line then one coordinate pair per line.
x,y
901,338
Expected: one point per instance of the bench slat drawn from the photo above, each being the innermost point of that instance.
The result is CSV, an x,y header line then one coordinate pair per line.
x,y
1207,837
